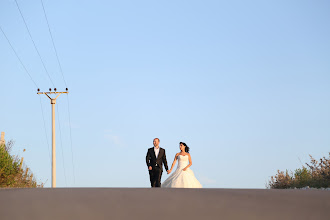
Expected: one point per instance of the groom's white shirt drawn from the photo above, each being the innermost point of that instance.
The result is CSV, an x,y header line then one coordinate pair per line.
x,y
156,151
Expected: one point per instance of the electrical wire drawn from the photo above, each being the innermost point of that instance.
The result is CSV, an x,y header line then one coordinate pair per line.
x,y
43,118
59,126
51,36
18,57
74,178
27,28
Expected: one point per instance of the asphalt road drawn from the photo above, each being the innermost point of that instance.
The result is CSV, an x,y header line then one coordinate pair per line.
x,y
159,204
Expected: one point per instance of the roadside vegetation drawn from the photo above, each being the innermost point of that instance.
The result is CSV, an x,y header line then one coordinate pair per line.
x,y
315,174
13,172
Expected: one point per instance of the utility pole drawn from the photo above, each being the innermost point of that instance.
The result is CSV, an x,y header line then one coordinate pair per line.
x,y
53,102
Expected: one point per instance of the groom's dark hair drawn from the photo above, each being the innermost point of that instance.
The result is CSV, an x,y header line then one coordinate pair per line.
x,y
157,139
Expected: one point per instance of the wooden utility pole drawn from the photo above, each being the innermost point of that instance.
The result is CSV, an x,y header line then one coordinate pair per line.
x,y
53,102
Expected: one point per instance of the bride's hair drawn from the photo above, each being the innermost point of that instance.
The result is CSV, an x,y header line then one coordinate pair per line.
x,y
186,147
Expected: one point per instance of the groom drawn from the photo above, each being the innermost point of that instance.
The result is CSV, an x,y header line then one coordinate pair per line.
x,y
155,158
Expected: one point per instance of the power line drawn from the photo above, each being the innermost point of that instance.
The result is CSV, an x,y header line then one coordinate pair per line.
x,y
43,118
27,28
74,178
51,36
59,126
18,57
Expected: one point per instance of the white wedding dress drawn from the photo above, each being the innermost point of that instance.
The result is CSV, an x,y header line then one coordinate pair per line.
x,y
180,178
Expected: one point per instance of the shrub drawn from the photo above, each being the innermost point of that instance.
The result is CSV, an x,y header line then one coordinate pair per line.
x,y
315,175
12,171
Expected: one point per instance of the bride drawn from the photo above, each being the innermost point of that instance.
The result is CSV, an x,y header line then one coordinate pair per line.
x,y
183,176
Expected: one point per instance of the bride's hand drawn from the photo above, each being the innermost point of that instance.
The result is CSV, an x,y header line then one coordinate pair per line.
x,y
169,171
185,169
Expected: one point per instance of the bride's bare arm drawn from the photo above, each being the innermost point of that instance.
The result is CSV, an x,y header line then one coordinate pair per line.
x,y
176,155
190,163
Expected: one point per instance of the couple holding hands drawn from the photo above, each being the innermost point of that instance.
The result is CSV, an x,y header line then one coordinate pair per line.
x,y
182,177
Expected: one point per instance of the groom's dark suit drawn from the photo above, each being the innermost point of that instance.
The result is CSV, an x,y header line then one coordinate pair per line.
x,y
157,165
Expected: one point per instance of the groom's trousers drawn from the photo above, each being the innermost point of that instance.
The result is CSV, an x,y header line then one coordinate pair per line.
x,y
155,176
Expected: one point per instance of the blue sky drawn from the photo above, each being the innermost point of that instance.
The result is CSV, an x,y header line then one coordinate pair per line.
x,y
244,83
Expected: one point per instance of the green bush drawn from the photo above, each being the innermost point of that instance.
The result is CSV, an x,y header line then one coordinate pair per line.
x,y
12,172
315,175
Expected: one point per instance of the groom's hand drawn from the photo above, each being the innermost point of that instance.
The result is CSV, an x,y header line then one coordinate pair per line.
x,y
150,168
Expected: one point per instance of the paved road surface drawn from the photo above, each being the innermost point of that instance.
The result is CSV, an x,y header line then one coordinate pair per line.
x,y
159,204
